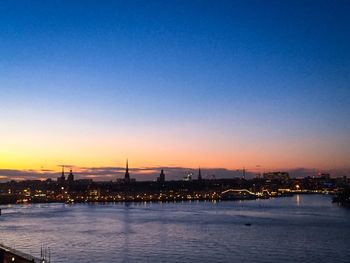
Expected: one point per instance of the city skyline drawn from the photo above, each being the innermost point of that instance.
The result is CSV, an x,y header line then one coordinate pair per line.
x,y
152,173
174,131
177,84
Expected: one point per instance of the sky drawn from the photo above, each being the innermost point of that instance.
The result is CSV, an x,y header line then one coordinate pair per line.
x,y
215,84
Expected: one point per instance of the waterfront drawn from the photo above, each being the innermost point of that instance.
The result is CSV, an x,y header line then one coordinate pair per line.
x,y
302,228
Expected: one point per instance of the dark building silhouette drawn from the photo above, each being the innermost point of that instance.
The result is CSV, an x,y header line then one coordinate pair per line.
x,y
276,176
199,174
325,176
127,175
161,177
62,179
70,178
126,178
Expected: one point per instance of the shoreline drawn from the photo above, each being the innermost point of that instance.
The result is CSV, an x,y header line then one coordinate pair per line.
x,y
165,200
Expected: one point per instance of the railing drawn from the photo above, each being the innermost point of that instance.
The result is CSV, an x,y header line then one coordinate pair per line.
x,y
20,254
238,191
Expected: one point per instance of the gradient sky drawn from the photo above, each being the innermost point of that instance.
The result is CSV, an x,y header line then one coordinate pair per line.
x,y
225,84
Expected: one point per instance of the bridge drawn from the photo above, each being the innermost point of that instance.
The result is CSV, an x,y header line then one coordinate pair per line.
x,y
238,194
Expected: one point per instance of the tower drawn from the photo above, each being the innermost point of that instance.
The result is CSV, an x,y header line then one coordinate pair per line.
x,y
63,178
199,174
127,175
70,177
162,176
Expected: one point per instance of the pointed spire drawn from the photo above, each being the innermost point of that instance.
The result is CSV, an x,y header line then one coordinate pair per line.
x,y
62,176
199,174
127,175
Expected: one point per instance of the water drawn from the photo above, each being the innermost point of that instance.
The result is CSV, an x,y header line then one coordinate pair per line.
x,y
307,228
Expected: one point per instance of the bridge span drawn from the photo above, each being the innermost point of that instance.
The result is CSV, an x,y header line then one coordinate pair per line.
x,y
238,194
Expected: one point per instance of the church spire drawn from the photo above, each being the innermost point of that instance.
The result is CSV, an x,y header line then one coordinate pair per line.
x,y
127,175
199,174
62,179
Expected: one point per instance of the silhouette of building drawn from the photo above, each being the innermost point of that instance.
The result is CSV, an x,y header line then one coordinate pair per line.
x,y
126,178
199,174
62,178
325,175
276,176
70,178
127,175
161,177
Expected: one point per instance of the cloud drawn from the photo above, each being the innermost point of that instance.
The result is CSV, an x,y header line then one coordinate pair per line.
x,y
112,173
10,174
149,173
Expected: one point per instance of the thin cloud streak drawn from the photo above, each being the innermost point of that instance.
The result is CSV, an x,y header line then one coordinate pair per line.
x,y
151,173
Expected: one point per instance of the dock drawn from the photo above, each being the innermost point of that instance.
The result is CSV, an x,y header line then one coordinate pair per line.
x,y
8,255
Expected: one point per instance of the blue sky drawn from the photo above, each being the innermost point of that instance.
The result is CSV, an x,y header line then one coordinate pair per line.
x,y
231,80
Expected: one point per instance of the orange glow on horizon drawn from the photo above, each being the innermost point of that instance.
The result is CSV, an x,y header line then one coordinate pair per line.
x,y
181,147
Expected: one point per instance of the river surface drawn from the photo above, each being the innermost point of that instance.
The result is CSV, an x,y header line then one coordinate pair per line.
x,y
302,228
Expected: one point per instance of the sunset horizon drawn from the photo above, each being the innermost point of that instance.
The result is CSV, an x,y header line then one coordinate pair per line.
x,y
227,93
174,131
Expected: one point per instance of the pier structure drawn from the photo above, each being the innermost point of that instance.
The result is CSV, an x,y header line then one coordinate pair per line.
x,y
10,255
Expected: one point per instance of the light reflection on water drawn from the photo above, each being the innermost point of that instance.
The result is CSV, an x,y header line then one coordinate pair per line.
x,y
297,199
293,229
